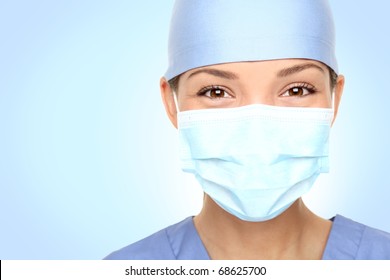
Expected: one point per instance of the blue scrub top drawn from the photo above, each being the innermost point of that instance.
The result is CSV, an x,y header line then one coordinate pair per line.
x,y
348,240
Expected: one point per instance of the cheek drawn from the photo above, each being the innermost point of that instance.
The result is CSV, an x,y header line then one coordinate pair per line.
x,y
316,100
323,100
188,102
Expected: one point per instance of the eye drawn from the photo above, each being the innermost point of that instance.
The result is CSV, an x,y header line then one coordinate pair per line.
x,y
214,92
299,90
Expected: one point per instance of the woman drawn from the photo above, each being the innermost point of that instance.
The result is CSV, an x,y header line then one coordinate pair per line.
x,y
253,88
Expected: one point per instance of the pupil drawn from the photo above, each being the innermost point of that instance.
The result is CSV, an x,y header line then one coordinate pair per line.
x,y
216,93
296,91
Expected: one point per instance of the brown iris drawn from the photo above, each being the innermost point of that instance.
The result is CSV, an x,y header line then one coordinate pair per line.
x,y
295,91
217,93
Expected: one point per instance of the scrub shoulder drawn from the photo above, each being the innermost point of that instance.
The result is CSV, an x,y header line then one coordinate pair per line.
x,y
176,242
153,247
350,240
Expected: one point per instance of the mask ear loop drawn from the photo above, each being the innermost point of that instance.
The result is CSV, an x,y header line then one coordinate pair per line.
x,y
333,103
333,97
176,102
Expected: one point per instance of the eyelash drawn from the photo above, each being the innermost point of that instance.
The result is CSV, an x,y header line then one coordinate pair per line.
x,y
305,86
205,90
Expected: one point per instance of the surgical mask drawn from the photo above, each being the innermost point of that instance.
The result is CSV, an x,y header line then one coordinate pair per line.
x,y
255,161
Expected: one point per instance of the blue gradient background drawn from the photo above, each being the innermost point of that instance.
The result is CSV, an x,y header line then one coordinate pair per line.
x,y
88,159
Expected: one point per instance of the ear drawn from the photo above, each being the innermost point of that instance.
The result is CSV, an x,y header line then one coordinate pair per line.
x,y
338,92
168,99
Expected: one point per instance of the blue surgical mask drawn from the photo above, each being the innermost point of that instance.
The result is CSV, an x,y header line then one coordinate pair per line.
x,y
255,161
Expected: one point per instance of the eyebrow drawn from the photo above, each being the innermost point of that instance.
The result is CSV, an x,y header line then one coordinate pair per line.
x,y
281,73
215,72
298,68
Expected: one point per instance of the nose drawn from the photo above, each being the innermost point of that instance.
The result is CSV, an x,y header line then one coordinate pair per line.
x,y
256,96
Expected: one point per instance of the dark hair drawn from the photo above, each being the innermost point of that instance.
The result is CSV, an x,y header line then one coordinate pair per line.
x,y
174,82
333,78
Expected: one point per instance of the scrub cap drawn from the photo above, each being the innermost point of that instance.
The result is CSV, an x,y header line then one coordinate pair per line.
x,y
207,32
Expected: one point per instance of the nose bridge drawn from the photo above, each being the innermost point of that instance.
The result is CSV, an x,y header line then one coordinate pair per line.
x,y
258,96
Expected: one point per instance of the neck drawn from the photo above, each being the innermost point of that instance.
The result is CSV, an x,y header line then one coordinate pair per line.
x,y
295,234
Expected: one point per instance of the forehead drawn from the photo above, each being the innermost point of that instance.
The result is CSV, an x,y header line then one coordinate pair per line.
x,y
279,67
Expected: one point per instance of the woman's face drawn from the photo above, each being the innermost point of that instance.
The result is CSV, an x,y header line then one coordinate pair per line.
x,y
286,82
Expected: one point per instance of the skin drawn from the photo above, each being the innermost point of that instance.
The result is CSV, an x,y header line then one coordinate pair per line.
x,y
297,233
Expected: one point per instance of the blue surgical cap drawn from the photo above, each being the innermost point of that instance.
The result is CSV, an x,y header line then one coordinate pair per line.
x,y
208,32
